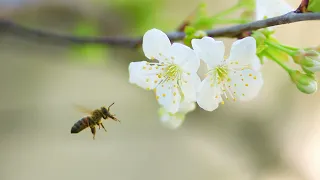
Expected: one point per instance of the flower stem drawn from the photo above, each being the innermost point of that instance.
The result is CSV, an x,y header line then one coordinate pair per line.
x,y
280,47
285,67
289,47
226,12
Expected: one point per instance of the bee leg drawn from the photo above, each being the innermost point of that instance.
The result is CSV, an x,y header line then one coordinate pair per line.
x,y
99,126
116,118
103,127
93,131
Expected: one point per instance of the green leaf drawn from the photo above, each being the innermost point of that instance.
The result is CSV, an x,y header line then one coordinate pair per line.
x,y
314,6
88,52
202,20
140,15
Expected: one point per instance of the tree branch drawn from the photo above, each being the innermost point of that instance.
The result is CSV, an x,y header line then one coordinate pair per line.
x,y
232,31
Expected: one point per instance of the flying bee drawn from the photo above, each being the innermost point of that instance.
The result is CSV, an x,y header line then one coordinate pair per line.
x,y
93,119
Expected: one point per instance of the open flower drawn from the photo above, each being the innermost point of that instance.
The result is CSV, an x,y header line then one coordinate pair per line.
x,y
174,77
271,8
174,121
234,78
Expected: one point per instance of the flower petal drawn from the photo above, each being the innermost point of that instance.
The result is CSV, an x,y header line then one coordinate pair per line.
x,y
172,121
184,56
186,107
155,43
209,95
134,68
245,84
256,64
271,8
189,84
145,75
168,96
209,50
243,51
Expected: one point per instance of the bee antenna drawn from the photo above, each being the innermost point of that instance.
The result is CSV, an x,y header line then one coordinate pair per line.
x,y
110,106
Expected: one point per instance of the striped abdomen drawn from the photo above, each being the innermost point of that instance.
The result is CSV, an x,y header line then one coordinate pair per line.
x,y
81,125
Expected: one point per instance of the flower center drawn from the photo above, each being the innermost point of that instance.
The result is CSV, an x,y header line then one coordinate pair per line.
x,y
172,72
222,73
219,76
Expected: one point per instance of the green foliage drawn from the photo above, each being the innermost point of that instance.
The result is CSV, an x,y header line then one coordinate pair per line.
x,y
265,35
308,59
139,14
202,19
314,6
88,52
248,4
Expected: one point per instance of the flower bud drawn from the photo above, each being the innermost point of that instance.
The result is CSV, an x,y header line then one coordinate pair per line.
x,y
174,121
306,83
200,34
309,60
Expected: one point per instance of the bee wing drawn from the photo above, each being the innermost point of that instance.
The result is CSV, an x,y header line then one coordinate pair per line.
x,y
83,109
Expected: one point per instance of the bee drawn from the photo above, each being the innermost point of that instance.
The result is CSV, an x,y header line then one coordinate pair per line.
x,y
93,119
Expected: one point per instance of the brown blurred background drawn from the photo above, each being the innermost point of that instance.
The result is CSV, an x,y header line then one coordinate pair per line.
x,y
274,137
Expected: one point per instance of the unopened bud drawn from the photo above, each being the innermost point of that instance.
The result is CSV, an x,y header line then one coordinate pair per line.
x,y
309,60
305,83
200,34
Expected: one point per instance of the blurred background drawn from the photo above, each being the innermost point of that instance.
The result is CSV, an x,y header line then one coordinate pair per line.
x,y
274,137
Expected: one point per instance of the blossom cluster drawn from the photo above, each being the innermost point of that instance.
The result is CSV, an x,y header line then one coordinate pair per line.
x,y
173,71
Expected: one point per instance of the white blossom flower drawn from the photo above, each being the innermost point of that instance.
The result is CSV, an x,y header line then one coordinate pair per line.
x,y
174,121
233,78
174,77
271,8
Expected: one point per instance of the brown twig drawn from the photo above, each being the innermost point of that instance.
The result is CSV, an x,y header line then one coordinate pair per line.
x,y
129,42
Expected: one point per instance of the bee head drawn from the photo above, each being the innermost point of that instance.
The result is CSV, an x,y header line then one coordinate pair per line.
x,y
106,113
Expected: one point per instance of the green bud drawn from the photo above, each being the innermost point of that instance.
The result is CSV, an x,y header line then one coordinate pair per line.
x,y
309,60
191,33
306,83
200,34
